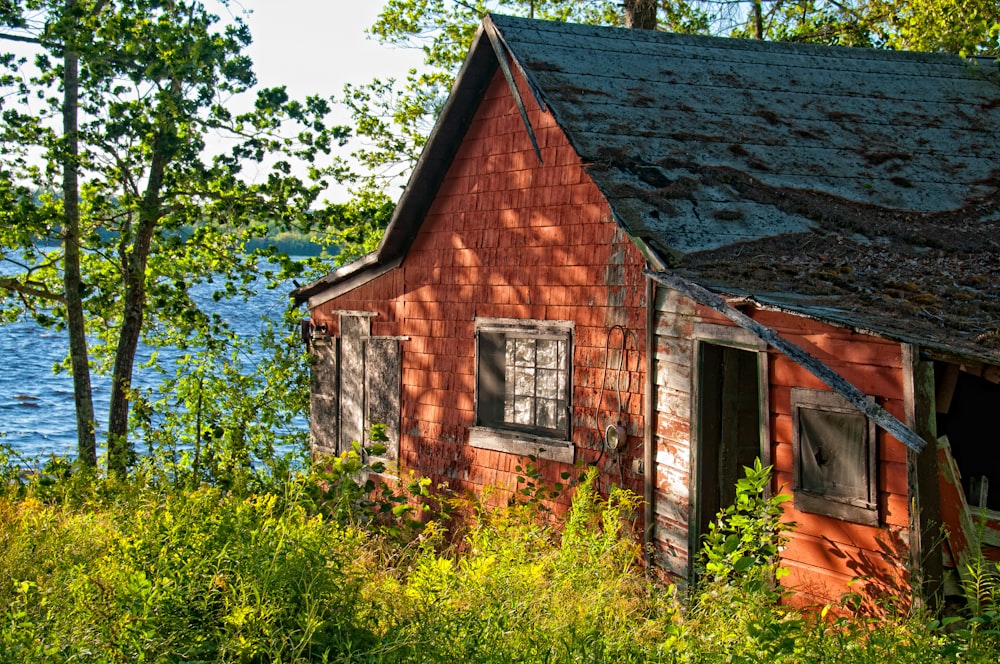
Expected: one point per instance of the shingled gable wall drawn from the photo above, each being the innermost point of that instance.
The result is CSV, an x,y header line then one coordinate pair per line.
x,y
509,237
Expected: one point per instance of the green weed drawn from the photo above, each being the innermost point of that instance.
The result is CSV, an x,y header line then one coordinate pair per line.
x,y
102,570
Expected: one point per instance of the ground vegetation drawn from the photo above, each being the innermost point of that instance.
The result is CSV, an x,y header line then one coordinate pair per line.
x,y
327,566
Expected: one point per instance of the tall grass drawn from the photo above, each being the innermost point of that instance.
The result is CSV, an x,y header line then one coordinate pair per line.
x,y
93,570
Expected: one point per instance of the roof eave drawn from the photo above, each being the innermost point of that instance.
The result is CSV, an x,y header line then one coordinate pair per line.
x,y
442,144
962,353
331,279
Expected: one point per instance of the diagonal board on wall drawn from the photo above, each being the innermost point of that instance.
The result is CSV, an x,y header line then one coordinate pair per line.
x,y
880,416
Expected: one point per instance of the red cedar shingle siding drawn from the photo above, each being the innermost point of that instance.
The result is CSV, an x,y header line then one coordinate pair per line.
x,y
508,237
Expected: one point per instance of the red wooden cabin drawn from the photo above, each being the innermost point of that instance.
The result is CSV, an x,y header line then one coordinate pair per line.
x,y
667,255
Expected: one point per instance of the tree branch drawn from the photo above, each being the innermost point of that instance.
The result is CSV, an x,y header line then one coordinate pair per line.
x,y
20,38
16,286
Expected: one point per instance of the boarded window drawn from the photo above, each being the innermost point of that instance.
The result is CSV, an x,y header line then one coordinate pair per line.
x,y
523,377
353,335
834,454
324,411
382,389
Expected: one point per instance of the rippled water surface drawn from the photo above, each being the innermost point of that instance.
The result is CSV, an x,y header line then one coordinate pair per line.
x,y
37,414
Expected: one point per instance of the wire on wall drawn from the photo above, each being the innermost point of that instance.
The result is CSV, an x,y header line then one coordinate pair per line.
x,y
603,432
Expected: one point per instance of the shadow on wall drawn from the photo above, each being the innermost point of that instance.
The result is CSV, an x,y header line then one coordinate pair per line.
x,y
881,580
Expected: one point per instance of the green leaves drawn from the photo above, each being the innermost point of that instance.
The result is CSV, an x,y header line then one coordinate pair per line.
x,y
164,200
749,534
952,26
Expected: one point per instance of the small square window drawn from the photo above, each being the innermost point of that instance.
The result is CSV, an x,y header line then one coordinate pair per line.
x,y
523,386
834,455
530,363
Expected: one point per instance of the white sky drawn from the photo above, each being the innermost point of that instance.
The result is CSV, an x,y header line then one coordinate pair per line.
x,y
316,46
313,47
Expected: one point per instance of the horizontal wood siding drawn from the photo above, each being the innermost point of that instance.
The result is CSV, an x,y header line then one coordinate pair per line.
x,y
675,318
825,553
510,237
829,557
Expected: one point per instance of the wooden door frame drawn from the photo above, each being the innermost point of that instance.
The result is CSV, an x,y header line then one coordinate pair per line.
x,y
730,337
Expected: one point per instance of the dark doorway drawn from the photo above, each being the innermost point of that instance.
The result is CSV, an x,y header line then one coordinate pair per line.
x,y
729,426
967,413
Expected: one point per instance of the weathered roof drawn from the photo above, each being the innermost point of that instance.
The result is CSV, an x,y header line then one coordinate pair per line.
x,y
856,185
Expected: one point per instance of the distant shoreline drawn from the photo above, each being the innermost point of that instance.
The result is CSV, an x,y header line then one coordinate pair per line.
x,y
291,246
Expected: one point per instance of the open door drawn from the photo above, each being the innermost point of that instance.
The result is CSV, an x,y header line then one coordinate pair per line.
x,y
730,427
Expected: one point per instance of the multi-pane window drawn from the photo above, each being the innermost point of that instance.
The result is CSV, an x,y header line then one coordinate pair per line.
x,y
523,379
834,451
535,381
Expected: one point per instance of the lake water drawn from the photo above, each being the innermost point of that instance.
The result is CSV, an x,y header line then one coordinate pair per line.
x,y
37,414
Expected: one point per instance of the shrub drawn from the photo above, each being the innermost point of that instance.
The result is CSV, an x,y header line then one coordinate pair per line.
x,y
344,489
522,591
96,570
178,575
747,537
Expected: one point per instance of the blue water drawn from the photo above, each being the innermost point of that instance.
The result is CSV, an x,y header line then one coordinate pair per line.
x,y
37,414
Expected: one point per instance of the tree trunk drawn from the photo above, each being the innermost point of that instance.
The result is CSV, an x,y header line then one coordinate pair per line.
x,y
72,281
758,20
119,448
641,14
